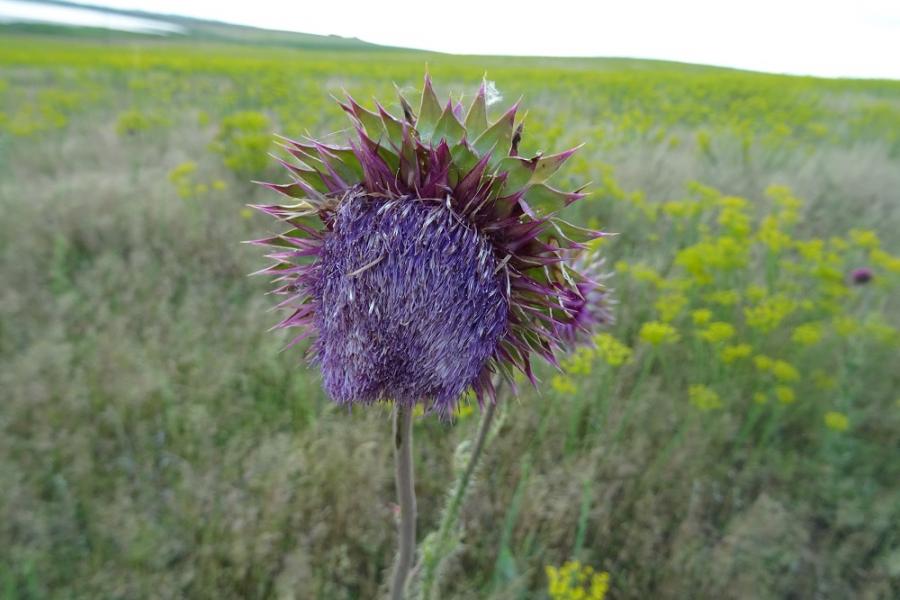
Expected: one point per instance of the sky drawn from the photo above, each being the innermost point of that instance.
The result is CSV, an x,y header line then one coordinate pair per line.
x,y
833,38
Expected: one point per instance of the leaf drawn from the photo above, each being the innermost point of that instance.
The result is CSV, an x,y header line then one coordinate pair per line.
x,y
463,160
548,165
392,125
476,120
429,111
544,199
498,135
372,123
519,172
448,127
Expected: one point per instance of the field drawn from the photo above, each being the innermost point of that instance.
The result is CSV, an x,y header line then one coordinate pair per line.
x,y
734,435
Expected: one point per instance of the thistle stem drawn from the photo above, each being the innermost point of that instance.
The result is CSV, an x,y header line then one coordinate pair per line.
x,y
406,496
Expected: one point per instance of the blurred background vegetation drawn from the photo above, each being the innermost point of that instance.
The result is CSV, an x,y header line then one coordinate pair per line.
x,y
735,435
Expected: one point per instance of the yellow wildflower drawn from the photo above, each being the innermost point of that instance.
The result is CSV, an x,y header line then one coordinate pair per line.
x,y
785,199
760,398
614,352
769,313
182,172
763,362
755,293
703,397
865,238
807,334
563,384
677,209
718,331
572,581
656,333
771,236
836,421
579,362
701,316
845,326
730,354
733,219
885,261
812,250
670,306
723,297
785,394
708,195
645,273
785,371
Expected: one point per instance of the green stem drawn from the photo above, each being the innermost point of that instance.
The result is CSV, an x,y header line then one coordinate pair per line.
x,y
406,496
448,522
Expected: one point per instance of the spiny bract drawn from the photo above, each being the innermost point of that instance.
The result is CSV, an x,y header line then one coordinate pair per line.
x,y
427,255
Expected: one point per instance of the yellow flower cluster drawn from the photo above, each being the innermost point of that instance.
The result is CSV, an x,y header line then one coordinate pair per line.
x,y
611,350
747,285
606,347
701,316
808,334
717,332
703,397
769,313
730,354
183,177
836,421
574,581
785,394
656,333
670,306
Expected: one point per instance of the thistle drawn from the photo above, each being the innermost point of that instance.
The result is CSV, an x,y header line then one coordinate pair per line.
x,y
861,276
426,255
427,258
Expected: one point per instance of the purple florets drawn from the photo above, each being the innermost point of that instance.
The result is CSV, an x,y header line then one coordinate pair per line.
x,y
408,301
861,276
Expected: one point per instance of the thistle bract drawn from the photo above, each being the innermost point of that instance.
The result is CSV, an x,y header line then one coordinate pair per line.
x,y
426,255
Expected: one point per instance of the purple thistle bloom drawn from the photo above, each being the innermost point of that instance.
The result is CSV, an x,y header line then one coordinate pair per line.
x,y
390,321
861,276
590,306
428,255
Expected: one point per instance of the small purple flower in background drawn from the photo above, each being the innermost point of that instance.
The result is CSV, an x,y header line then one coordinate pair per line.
x,y
426,255
861,276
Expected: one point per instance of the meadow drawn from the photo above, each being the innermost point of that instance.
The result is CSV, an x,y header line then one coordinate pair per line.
x,y
735,434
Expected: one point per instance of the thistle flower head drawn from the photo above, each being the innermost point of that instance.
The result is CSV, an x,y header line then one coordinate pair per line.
x,y
861,276
426,255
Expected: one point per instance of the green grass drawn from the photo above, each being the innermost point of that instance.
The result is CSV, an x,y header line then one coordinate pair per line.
x,y
154,441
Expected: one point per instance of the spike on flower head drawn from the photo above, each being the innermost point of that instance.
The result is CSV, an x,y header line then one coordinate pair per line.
x,y
427,255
